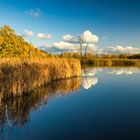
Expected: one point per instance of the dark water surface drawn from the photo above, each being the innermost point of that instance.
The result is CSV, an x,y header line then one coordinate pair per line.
x,y
102,105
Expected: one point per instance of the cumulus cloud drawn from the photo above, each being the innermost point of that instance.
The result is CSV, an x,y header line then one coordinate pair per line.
x,y
60,46
34,12
123,50
87,36
44,36
88,82
70,38
72,46
65,45
28,33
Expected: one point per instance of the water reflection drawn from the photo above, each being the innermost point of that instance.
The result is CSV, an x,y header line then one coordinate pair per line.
x,y
127,71
89,78
91,71
15,111
88,82
89,75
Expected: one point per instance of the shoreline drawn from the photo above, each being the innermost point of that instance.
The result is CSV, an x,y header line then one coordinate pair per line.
x,y
101,62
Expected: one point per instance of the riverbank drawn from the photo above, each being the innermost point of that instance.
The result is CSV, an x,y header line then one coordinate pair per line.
x,y
23,75
110,62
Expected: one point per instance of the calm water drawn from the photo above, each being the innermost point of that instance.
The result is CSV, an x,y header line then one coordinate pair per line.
x,y
102,105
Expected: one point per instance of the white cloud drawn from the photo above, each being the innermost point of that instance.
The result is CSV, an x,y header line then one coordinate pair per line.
x,y
87,36
28,33
71,43
44,36
34,12
72,46
65,45
58,47
70,38
122,49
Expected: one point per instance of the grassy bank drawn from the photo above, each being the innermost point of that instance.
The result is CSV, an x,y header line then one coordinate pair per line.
x,y
23,75
110,62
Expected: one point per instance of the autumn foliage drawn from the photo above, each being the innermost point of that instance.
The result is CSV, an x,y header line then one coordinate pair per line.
x,y
12,45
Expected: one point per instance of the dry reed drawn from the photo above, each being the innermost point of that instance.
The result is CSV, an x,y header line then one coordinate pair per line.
x,y
20,76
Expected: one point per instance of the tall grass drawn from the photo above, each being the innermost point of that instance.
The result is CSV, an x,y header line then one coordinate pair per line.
x,y
20,76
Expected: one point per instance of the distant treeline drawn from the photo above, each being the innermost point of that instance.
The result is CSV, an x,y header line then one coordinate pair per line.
x,y
91,59
110,62
93,56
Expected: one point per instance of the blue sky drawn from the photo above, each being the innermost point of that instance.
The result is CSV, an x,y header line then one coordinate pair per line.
x,y
115,22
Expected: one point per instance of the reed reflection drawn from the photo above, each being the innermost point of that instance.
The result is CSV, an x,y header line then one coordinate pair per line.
x,y
14,112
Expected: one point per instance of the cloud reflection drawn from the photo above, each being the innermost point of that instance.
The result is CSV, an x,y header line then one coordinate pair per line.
x,y
126,71
89,82
88,79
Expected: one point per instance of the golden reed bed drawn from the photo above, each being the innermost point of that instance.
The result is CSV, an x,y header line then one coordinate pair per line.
x,y
20,76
